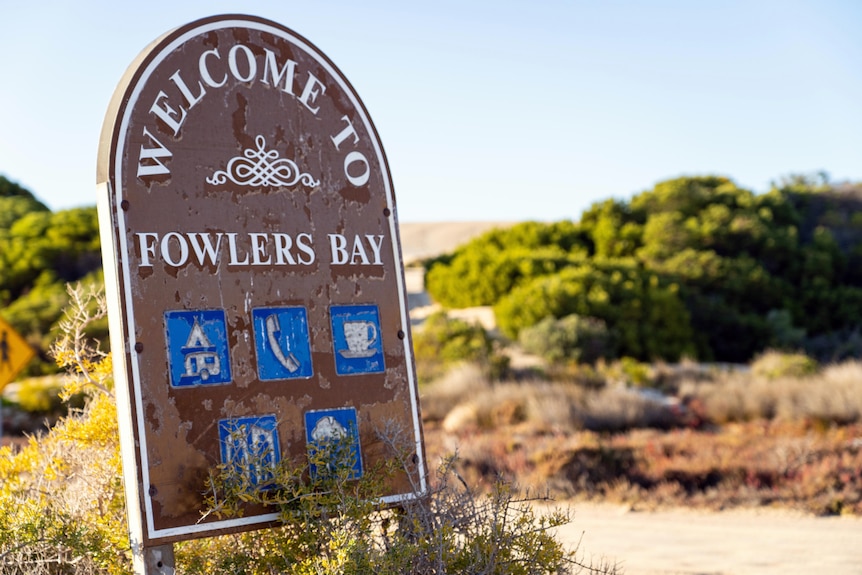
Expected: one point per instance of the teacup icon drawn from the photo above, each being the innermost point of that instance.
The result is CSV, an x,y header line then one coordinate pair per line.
x,y
360,336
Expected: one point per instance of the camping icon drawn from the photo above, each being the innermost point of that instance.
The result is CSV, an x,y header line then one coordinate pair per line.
x,y
201,358
197,347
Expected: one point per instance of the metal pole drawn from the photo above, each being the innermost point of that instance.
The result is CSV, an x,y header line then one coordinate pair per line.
x,y
159,560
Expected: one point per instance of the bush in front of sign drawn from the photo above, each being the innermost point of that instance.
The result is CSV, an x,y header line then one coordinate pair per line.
x,y
332,523
62,504
62,508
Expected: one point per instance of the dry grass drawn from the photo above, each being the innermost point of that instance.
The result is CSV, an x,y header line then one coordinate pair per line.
x,y
832,396
465,400
745,440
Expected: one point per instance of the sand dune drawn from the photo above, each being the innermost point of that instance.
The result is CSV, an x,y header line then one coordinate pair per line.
x,y
428,239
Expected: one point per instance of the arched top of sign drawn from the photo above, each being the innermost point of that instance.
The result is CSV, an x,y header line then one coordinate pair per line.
x,y
278,66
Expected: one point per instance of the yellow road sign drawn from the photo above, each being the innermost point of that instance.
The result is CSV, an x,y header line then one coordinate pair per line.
x,y
15,353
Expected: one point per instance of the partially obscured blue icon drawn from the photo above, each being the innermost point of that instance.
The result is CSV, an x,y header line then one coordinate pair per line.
x,y
197,347
356,339
250,448
282,343
332,435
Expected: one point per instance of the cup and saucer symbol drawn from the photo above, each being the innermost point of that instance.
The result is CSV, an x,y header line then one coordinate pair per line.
x,y
357,339
360,337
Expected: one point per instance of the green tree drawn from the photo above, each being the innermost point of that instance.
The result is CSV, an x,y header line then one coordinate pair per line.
x,y
646,316
483,270
40,252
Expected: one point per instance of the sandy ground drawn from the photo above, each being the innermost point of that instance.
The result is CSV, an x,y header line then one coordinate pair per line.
x,y
741,542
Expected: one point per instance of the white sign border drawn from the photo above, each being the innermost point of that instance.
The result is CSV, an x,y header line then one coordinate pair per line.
x,y
129,451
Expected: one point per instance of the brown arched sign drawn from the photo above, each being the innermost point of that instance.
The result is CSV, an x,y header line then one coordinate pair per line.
x,y
253,268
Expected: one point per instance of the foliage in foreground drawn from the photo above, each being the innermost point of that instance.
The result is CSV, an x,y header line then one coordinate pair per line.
x,y
62,508
332,524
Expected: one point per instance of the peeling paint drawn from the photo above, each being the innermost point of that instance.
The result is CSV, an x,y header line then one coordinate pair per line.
x,y
165,167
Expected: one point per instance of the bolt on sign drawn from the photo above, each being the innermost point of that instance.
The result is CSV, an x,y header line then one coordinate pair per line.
x,y
256,288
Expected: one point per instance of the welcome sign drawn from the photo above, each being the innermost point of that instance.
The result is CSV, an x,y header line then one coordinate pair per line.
x,y
253,264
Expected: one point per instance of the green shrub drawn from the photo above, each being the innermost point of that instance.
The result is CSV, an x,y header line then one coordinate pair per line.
x,y
646,316
784,335
776,364
441,342
571,338
485,269
636,373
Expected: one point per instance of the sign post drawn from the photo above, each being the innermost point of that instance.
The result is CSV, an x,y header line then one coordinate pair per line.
x,y
253,269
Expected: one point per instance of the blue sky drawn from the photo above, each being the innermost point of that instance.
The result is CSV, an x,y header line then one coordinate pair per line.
x,y
499,111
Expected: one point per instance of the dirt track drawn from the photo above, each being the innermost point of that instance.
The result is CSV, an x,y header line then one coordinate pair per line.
x,y
744,542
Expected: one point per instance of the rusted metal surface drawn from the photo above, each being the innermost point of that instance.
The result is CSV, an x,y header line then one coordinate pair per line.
x,y
257,267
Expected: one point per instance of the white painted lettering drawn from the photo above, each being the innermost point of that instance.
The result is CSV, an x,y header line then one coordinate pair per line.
x,y
205,72
147,248
191,99
271,69
258,250
204,248
338,249
166,113
376,242
251,63
303,242
255,249
345,133
283,244
352,158
313,88
234,256
358,251
166,249
153,156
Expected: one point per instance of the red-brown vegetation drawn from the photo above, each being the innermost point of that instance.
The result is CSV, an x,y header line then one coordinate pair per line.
x,y
730,440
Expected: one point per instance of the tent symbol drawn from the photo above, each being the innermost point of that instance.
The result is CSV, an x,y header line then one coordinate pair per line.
x,y
201,357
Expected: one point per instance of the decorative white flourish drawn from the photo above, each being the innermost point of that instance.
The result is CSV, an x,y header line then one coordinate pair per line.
x,y
262,167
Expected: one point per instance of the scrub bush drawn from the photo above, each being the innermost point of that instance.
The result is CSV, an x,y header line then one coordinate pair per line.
x,y
61,499
62,507
775,365
333,524
442,342
571,338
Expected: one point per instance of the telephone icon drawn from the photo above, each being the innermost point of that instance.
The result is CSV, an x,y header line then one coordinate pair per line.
x,y
282,343
273,329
